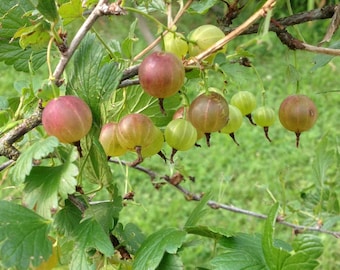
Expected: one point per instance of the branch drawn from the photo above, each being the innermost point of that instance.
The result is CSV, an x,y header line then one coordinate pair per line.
x,y
217,205
233,34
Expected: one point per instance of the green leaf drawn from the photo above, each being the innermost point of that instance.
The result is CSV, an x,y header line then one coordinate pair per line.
x,y
89,235
93,79
68,218
71,11
127,44
48,9
244,252
274,256
307,249
13,16
134,99
96,167
35,36
38,150
44,184
170,262
321,60
201,7
129,236
324,159
207,231
199,211
23,236
152,250
105,213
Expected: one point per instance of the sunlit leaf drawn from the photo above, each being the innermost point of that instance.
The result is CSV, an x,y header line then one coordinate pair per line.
x,y
23,236
153,248
71,11
44,184
201,7
207,231
38,150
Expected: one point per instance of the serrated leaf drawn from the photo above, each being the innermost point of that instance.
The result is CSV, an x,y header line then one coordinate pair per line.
x,y
13,17
67,219
199,211
170,262
48,9
44,184
307,249
201,7
129,236
153,248
71,11
127,44
37,151
207,231
89,234
23,236
93,79
105,213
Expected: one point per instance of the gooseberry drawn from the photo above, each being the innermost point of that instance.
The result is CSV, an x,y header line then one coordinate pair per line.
x,y
298,113
108,139
68,118
264,116
181,135
246,102
234,123
161,75
209,113
175,43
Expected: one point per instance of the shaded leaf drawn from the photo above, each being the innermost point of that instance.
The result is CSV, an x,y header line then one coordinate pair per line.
x,y
153,248
199,211
38,150
23,236
321,60
170,262
207,231
130,236
48,9
89,235
201,7
67,219
105,213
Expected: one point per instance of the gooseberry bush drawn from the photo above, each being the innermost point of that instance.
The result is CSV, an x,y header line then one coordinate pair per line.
x,y
97,103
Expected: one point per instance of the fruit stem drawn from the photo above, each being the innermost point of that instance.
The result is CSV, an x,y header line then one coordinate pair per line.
x,y
139,159
297,138
161,154
173,152
266,133
207,137
232,135
250,119
161,105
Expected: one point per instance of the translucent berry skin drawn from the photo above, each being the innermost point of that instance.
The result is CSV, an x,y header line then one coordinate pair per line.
x,y
235,120
180,134
245,101
209,112
175,43
298,113
161,74
108,139
264,116
134,130
68,118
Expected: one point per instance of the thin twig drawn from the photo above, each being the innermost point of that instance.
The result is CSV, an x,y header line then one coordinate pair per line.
x,y
217,205
235,33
